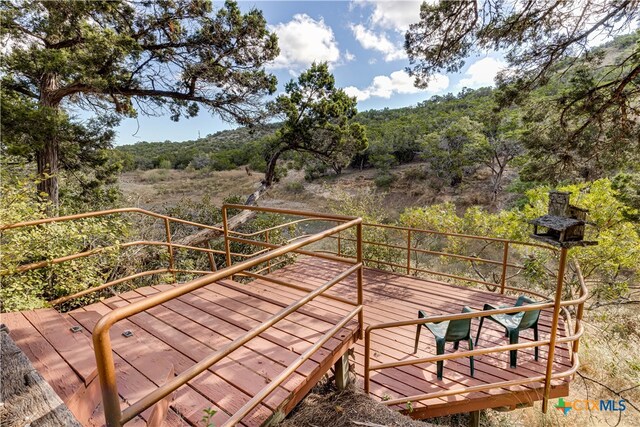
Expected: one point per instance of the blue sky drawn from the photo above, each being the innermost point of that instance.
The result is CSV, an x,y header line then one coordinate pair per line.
x,y
362,42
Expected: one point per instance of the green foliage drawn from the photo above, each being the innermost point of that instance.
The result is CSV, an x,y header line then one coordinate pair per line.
x,y
112,57
32,289
613,264
294,187
317,121
458,147
384,180
209,413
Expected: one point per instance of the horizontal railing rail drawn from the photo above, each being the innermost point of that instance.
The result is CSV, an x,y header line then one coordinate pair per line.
x,y
410,266
169,244
573,332
104,352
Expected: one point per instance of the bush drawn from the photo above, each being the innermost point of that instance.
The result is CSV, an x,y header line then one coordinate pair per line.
x,y
384,180
154,176
415,174
294,187
22,246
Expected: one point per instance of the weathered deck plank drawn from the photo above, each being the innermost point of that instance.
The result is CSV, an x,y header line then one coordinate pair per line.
x,y
390,297
173,336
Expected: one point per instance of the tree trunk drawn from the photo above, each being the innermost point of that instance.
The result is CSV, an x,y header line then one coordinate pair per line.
x,y
270,173
47,153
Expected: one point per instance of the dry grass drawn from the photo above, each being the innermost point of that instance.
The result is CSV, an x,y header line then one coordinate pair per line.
x,y
609,350
325,406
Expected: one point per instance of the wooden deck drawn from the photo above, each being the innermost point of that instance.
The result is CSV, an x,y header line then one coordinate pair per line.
x,y
172,337
390,297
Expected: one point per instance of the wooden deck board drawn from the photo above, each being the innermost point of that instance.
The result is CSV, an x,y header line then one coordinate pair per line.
x,y
177,334
391,297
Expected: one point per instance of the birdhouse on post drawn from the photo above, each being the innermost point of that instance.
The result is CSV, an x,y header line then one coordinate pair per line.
x,y
564,225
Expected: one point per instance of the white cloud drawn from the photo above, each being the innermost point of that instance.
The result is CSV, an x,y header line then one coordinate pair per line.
x,y
348,56
395,15
482,73
398,82
370,40
304,40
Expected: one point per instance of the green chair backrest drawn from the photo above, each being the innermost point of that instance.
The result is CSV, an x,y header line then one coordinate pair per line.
x,y
529,318
459,329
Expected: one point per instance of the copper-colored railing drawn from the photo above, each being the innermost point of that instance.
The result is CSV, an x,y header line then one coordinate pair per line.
x,y
410,249
571,339
102,341
559,307
102,344
295,245
167,220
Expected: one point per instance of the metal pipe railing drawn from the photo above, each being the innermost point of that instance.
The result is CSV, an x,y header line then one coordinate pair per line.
x,y
102,340
558,305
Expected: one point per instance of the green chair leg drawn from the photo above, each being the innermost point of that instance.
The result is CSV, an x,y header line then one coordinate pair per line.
x,y
421,315
471,357
513,339
456,344
479,329
440,350
535,337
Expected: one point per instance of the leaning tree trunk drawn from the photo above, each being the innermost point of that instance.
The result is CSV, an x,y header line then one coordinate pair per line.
x,y
243,217
47,153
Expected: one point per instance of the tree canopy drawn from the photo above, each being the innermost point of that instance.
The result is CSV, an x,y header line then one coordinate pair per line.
x,y
317,120
134,57
586,105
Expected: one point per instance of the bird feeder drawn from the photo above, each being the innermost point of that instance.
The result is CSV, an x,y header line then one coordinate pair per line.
x,y
564,225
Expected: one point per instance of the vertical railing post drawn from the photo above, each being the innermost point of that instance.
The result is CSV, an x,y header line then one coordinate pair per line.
x,y
339,243
212,261
360,277
266,239
408,251
554,329
167,228
225,228
580,310
107,375
505,260
367,361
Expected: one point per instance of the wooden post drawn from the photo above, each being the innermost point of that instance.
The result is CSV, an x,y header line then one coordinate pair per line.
x,y
408,251
474,419
212,261
227,245
342,372
505,258
554,329
339,244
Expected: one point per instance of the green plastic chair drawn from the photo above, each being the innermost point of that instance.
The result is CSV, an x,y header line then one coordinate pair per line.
x,y
514,323
447,331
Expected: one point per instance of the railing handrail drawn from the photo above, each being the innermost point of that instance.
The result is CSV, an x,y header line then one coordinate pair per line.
x,y
102,341
104,213
461,235
276,227
571,338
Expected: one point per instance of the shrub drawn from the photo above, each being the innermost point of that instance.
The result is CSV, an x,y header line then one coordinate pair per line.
x,y
415,174
384,180
154,176
294,187
22,246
